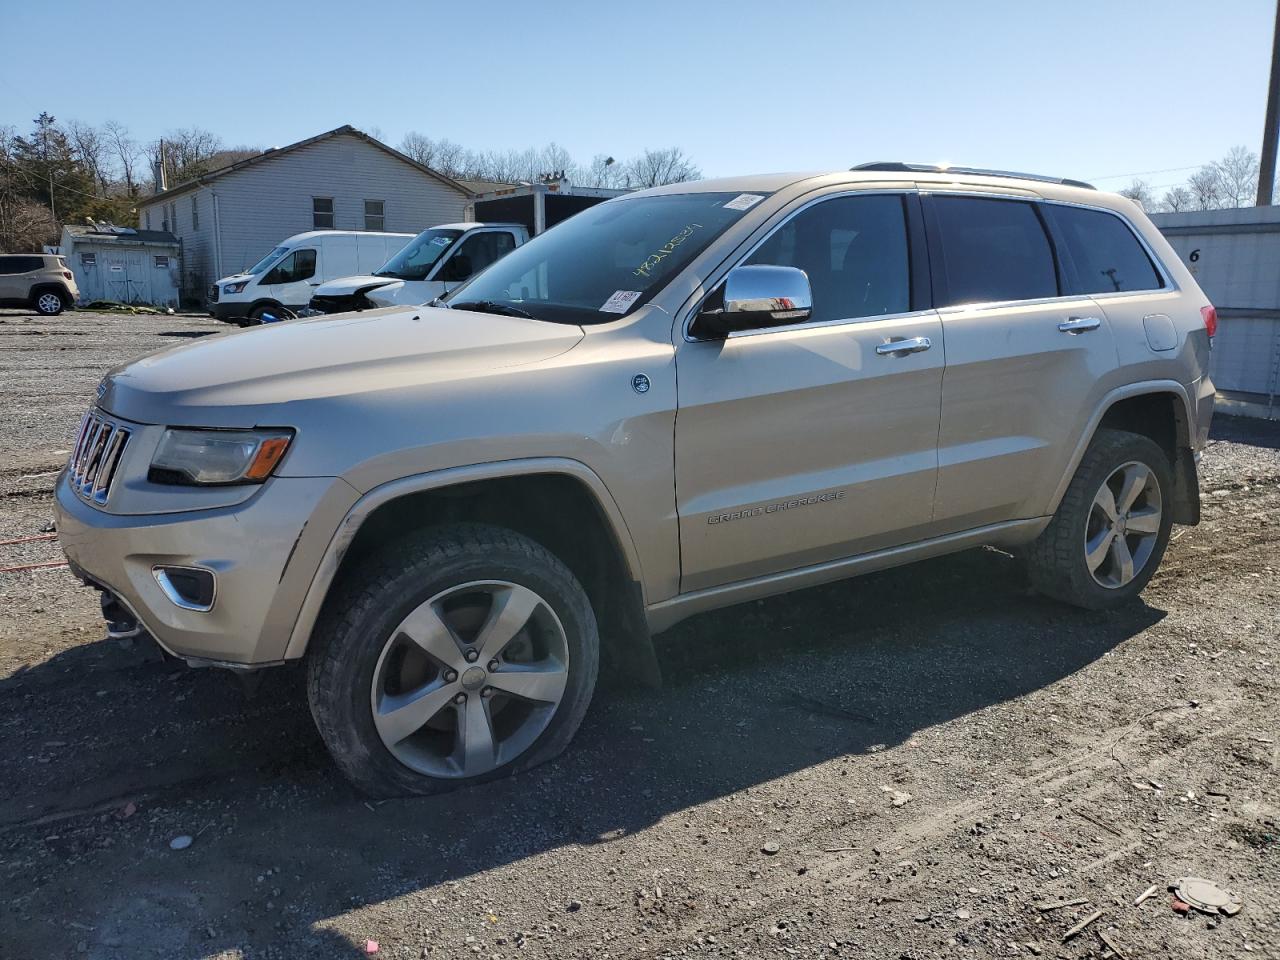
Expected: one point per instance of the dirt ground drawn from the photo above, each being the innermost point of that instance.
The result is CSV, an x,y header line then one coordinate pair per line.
x,y
919,763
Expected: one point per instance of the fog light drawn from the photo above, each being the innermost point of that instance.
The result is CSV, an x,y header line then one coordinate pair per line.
x,y
191,588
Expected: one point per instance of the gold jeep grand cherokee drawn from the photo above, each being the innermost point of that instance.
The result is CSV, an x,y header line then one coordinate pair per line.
x,y
680,399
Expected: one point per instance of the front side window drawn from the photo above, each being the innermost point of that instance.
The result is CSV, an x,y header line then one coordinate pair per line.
x,y
1104,254
994,250
299,265
477,252
419,255
854,251
374,214
607,260
322,213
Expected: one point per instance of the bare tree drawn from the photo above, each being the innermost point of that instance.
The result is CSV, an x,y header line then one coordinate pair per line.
x,y
1141,193
603,171
656,167
1238,177
91,151
1179,198
127,153
1206,188
188,153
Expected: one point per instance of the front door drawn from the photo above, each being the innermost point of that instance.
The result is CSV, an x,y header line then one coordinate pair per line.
x,y
290,281
802,444
1026,361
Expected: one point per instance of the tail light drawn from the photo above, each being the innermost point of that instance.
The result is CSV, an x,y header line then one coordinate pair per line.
x,y
1210,314
67,274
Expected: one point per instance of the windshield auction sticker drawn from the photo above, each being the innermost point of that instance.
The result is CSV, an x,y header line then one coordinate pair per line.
x,y
621,301
743,201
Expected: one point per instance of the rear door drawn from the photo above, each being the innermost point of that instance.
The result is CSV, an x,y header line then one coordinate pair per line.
x,y
802,444
1026,359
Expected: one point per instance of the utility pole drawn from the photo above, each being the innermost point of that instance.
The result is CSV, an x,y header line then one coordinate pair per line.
x,y
1271,126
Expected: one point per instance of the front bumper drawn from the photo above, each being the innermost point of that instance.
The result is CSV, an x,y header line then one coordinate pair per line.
x,y
228,312
257,549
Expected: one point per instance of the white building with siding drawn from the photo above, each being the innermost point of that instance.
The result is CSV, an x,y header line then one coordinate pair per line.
x,y
1235,257
343,180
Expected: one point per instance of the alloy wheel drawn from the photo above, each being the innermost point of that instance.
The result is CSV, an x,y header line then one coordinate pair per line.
x,y
49,303
470,679
1123,525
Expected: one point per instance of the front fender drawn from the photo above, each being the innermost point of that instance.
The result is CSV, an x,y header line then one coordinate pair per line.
x,y
362,509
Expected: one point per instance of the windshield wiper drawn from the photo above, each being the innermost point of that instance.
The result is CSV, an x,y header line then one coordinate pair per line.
x,y
493,306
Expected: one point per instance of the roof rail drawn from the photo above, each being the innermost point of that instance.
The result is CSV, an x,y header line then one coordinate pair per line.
x,y
896,166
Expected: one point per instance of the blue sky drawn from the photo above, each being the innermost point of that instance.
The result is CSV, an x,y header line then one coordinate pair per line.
x,y
1083,89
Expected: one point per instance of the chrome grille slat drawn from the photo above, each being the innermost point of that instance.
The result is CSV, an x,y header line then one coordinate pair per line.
x,y
97,455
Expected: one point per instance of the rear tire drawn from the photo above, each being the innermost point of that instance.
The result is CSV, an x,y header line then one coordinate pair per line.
x,y
49,303
1112,527
396,697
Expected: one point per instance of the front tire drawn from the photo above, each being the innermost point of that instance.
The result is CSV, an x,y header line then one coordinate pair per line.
x,y
1111,530
457,655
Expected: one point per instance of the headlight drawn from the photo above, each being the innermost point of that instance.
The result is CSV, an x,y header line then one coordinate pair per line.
x,y
196,457
235,287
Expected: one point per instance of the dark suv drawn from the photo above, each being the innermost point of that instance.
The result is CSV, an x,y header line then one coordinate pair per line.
x,y
40,281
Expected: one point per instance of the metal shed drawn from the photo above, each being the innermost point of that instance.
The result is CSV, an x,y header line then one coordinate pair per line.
x,y
1235,257
123,264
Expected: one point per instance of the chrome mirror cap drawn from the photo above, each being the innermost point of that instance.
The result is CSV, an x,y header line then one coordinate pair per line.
x,y
756,296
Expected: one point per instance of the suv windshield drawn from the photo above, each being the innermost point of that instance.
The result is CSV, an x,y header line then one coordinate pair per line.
x,y
607,260
417,258
266,261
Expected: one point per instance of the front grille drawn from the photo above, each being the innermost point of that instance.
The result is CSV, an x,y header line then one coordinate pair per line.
x,y
213,294
97,455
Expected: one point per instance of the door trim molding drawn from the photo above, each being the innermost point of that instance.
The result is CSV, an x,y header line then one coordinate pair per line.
x,y
668,613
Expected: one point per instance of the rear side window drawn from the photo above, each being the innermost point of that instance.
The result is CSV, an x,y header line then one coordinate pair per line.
x,y
12,265
994,250
1102,253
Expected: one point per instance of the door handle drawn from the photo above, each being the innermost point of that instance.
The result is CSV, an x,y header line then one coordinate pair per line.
x,y
904,346
1078,325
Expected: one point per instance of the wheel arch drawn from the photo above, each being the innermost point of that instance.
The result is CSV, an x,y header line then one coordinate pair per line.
x,y
51,286
561,503
1160,410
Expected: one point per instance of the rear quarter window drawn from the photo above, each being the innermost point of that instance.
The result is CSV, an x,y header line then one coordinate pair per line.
x,y
994,250
1101,253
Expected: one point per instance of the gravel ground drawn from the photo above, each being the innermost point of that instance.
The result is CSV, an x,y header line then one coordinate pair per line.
x,y
918,763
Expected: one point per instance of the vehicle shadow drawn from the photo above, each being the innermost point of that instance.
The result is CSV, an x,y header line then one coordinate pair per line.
x,y
753,693
1251,430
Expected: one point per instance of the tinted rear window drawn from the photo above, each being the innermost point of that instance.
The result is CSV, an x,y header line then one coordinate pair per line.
x,y
994,250
1103,253
20,264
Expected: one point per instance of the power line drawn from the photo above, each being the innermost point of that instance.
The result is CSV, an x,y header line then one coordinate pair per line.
x,y
1147,173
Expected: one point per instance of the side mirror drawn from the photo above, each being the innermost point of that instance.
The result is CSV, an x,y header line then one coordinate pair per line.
x,y
755,297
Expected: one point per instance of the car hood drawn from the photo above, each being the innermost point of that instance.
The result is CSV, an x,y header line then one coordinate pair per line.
x,y
235,278
244,379
345,286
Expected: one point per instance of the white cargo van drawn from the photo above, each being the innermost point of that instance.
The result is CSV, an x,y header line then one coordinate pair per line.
x,y
282,282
